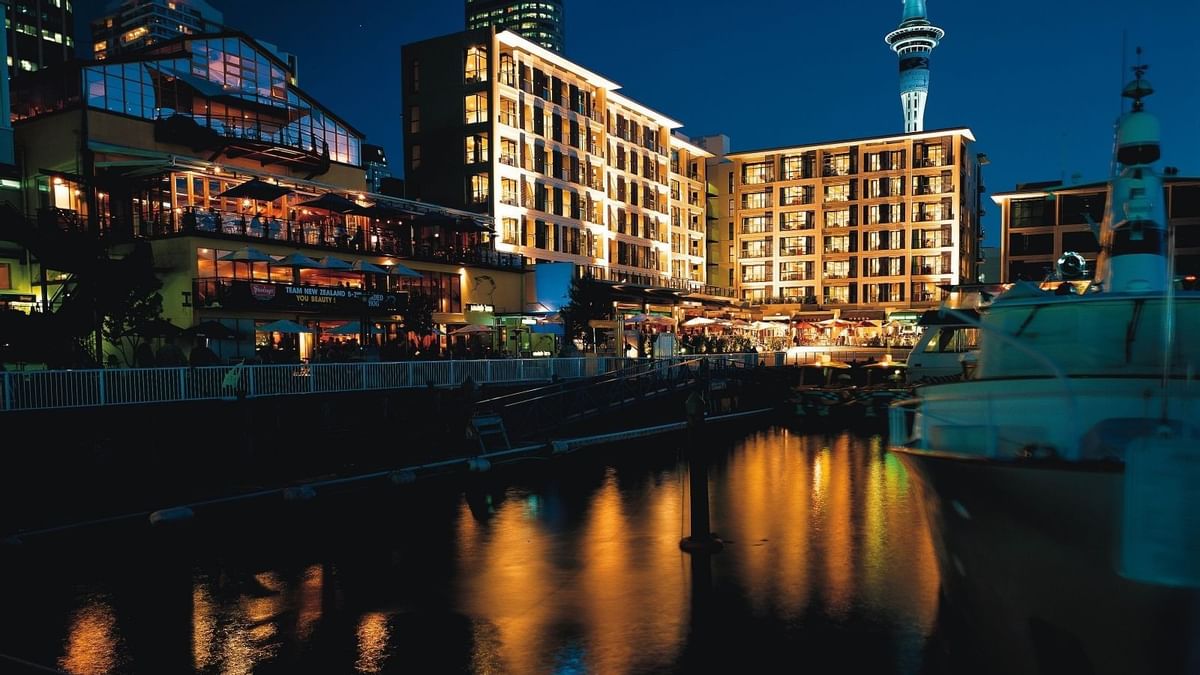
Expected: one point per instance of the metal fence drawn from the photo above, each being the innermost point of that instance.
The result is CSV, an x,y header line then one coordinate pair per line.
x,y
54,389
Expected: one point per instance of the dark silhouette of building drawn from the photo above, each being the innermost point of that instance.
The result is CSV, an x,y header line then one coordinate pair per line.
x,y
39,34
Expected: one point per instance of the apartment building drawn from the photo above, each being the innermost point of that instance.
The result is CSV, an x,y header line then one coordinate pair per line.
x,y
571,170
883,222
689,198
1041,221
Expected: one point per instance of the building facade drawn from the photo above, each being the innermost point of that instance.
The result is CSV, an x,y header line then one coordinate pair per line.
x,y
1042,221
539,21
571,170
251,199
882,222
40,34
376,164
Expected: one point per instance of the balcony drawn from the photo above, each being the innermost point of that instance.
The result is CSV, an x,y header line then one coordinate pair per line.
x,y
510,160
794,250
747,254
260,140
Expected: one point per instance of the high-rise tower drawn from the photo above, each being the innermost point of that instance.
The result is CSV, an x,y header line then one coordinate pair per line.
x,y
913,42
539,22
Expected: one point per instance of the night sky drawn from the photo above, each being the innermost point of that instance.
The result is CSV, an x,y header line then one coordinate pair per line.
x,y
1037,81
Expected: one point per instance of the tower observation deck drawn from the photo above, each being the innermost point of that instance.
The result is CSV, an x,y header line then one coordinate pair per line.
x,y
913,42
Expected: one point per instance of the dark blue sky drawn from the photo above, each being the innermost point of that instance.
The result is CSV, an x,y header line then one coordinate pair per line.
x,y
1037,81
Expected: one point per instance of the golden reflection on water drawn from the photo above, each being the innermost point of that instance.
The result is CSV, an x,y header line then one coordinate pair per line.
x,y
92,641
237,636
373,633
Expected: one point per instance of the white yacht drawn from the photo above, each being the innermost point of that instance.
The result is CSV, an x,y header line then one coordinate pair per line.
x,y
1062,478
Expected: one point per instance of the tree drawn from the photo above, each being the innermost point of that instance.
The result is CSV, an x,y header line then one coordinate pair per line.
x,y
130,303
588,302
418,315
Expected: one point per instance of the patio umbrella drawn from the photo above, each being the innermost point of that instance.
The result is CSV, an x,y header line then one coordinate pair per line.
x,y
298,261
158,328
214,330
352,328
364,266
283,326
698,321
331,202
256,189
378,212
639,318
396,269
252,255
472,330
804,325
331,263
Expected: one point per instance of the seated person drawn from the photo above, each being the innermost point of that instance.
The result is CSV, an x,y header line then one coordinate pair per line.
x,y
256,225
274,228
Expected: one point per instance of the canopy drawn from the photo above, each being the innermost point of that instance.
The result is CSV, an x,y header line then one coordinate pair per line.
x,y
378,212
399,270
256,189
283,326
650,318
214,330
364,266
804,325
699,321
471,330
298,261
331,263
247,255
835,322
468,225
332,202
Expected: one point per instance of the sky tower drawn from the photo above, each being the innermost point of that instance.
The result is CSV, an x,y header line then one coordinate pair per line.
x,y
913,41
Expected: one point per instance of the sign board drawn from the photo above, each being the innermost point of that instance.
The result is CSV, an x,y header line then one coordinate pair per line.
x,y
252,295
487,309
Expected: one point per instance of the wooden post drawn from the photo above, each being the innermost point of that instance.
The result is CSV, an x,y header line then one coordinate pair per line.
x,y
701,540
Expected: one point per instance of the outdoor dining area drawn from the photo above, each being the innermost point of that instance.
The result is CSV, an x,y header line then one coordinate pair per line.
x,y
181,203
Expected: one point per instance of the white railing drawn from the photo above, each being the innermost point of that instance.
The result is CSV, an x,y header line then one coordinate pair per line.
x,y
54,389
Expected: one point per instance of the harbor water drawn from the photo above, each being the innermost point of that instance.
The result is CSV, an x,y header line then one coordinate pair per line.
x,y
568,566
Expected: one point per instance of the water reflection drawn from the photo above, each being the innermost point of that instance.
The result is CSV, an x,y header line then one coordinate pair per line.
x,y
576,571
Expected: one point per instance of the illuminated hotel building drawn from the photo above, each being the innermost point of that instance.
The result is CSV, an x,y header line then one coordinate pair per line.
x,y
571,170
40,33
1041,221
881,222
539,21
202,148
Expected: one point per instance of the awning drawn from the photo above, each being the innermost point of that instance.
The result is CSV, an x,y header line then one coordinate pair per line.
x,y
283,326
866,315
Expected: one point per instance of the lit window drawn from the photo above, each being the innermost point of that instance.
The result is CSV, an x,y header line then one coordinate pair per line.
x,y
100,46
414,157
476,67
475,108
135,34
479,188
477,148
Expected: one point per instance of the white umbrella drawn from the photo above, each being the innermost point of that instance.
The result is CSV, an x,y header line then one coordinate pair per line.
x,y
699,321
283,326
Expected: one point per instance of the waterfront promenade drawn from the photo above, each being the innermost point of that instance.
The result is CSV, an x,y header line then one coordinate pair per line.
x,y
27,390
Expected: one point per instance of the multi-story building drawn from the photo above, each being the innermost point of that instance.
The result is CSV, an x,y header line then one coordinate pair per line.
x,y
248,192
719,236
1041,221
883,222
40,33
539,21
376,163
571,170
132,25
689,201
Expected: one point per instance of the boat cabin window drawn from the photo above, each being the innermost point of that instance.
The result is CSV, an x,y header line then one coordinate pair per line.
x,y
952,340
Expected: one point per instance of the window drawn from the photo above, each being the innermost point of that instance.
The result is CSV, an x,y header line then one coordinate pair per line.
x,y
508,70
796,271
837,269
837,193
414,157
756,224
508,111
479,188
476,69
796,195
1032,212
475,107
510,231
796,167
508,151
932,238
840,244
837,295
797,294
883,293
758,248
5,277
795,246
883,267
924,291
508,192
414,119
757,173
839,218
952,340
1078,209
414,77
477,149
756,273
797,220
837,165
756,200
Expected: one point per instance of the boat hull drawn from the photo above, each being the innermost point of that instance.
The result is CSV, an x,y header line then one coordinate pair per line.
x,y
1028,555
